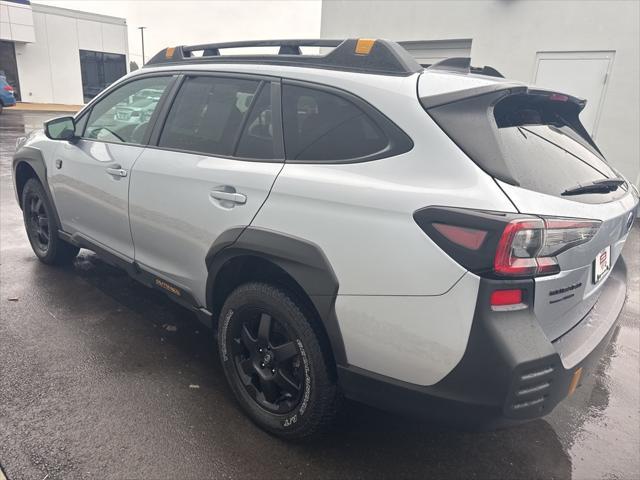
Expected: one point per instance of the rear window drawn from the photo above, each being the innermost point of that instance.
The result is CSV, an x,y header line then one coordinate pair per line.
x,y
533,140
546,159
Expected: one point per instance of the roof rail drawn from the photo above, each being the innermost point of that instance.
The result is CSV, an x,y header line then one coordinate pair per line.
x,y
382,57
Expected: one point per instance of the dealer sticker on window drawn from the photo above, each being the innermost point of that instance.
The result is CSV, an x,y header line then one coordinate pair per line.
x,y
601,264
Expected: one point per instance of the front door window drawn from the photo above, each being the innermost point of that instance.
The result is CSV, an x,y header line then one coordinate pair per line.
x,y
123,115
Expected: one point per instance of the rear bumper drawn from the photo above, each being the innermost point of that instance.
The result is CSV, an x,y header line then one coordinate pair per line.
x,y
510,371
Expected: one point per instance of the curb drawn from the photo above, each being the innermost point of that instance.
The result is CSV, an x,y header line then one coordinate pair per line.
x,y
43,107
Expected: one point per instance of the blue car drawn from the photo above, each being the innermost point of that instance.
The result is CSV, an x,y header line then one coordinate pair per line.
x,y
6,94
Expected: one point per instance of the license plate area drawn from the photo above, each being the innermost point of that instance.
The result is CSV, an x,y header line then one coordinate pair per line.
x,y
601,264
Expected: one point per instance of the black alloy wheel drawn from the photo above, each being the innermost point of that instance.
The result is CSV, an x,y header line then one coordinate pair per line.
x,y
42,226
268,362
277,361
38,224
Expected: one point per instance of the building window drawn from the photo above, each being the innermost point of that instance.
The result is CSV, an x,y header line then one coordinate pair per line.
x,y
9,67
99,70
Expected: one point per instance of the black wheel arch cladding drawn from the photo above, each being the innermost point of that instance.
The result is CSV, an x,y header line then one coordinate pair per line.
x,y
28,157
302,260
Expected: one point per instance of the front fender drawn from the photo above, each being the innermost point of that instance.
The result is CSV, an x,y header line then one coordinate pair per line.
x,y
33,158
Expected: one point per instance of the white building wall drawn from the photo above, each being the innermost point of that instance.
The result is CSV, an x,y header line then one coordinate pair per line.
x,y
16,22
49,68
508,34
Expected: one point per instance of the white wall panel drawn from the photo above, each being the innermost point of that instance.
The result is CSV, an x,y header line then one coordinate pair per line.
x,y
17,22
89,35
5,29
4,13
64,59
114,38
34,67
20,14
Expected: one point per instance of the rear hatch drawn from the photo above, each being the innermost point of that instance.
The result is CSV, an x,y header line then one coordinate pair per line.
x,y
533,143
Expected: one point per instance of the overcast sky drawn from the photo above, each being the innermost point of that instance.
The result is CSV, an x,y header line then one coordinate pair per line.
x,y
184,22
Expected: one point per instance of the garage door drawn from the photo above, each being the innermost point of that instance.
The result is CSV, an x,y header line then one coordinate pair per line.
x,y
582,74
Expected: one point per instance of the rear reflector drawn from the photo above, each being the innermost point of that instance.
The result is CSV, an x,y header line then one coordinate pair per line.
x,y
8,88
500,298
466,237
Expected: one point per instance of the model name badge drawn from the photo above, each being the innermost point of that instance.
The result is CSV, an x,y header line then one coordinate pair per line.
x,y
168,287
565,289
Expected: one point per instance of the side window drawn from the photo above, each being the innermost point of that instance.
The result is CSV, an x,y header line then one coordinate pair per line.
x,y
207,114
322,126
124,114
257,137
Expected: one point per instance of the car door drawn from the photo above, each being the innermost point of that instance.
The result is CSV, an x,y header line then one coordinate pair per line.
x,y
90,179
210,169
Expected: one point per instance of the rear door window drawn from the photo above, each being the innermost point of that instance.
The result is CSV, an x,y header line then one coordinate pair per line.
x,y
207,114
321,126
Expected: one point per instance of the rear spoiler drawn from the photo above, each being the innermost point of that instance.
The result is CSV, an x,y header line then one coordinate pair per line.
x,y
462,65
467,116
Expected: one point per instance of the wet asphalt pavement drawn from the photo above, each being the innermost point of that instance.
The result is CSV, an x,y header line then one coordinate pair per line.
x,y
94,385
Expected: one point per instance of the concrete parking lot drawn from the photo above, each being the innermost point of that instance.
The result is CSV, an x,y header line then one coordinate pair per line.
x,y
96,383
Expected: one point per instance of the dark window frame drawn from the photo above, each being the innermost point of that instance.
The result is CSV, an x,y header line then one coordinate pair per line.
x,y
398,142
265,82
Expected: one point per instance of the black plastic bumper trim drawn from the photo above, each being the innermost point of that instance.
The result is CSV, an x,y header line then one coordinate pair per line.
x,y
510,372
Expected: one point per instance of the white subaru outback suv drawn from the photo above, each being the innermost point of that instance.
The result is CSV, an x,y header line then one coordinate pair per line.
x,y
437,241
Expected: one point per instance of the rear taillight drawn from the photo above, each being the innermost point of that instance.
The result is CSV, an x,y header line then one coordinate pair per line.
x,y
528,247
498,244
8,88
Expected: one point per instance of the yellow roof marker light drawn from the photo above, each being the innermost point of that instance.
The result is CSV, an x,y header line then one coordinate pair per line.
x,y
364,46
169,52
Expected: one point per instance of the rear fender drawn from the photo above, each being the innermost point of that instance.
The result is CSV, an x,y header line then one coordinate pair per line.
x,y
300,259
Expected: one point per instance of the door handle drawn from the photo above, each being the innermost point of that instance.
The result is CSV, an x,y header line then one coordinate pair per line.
x,y
117,171
229,194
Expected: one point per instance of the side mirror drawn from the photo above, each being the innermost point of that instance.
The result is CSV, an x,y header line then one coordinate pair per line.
x,y
61,128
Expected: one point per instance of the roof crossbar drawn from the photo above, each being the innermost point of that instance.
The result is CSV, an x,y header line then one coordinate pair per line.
x,y
356,55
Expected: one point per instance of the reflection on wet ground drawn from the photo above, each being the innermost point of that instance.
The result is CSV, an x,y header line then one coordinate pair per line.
x,y
94,384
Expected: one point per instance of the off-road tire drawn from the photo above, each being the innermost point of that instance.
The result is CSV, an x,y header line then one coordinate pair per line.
x,y
319,400
42,228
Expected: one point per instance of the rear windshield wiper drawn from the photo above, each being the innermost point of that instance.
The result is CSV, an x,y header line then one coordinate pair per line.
x,y
599,186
